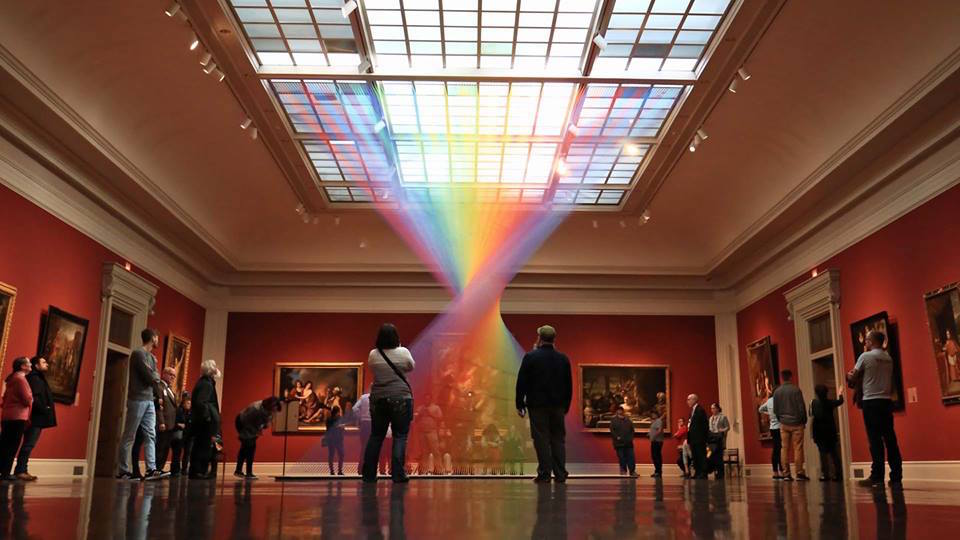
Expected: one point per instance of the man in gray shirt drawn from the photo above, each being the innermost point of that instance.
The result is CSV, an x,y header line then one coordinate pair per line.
x,y
875,371
656,444
790,409
142,390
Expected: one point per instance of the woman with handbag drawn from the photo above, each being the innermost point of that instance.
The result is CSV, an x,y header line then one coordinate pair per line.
x,y
391,403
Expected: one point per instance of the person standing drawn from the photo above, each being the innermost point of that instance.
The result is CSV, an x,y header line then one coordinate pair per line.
x,y
391,403
621,428
43,415
824,430
683,449
767,409
250,423
361,411
141,412
333,439
17,404
698,430
719,426
791,411
874,369
545,389
184,418
205,421
167,405
656,444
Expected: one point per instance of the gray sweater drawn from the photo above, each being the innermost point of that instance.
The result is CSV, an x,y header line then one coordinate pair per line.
x,y
789,406
386,382
143,378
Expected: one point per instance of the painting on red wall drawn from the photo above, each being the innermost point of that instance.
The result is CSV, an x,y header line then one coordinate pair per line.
x,y
62,337
640,390
318,387
943,313
8,298
178,357
881,323
762,364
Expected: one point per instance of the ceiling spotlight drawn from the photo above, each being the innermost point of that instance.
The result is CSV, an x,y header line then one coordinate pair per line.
x,y
379,126
623,224
172,10
336,221
209,68
348,8
645,217
305,217
695,143
194,41
246,123
205,58
733,85
600,41
596,225
219,75
300,208
702,134
632,149
364,67
253,133
744,74
363,244
562,169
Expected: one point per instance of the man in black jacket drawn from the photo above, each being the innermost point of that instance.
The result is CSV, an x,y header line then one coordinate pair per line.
x,y
697,435
545,389
205,421
42,415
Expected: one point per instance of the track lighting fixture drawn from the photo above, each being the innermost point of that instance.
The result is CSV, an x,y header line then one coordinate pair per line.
x,y
596,224
209,68
364,67
645,217
695,143
744,74
348,8
253,133
205,58
702,134
219,75
300,209
623,224
600,41
194,41
246,123
172,10
733,85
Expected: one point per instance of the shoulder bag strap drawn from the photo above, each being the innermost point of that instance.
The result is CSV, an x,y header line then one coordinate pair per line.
x,y
394,368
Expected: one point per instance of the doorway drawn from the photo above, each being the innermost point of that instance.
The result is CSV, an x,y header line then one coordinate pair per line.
x,y
112,411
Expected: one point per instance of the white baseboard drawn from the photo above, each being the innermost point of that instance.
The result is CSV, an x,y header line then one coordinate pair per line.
x,y
926,471
58,468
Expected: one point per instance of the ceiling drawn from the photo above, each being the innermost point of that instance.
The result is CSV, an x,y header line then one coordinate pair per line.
x,y
117,85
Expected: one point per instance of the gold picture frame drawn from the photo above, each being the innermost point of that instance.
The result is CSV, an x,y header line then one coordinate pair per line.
x,y
590,382
177,355
8,300
323,377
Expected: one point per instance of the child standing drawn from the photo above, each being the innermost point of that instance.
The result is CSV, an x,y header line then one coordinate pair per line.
x,y
621,428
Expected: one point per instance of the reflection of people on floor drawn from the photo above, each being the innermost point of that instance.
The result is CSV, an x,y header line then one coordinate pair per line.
x,y
241,510
891,515
551,512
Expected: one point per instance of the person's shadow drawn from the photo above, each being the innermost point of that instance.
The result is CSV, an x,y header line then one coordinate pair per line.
x,y
551,511
370,511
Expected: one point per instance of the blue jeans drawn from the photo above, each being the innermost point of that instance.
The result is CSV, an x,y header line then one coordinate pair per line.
x,y
140,414
396,413
627,459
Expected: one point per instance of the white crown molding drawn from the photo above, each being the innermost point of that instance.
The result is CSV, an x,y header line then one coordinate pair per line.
x,y
930,81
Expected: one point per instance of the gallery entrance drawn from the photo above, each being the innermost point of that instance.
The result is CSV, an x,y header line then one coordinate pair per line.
x,y
112,412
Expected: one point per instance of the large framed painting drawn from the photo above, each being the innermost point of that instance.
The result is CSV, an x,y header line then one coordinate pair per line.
x,y
62,337
177,356
640,389
762,363
315,388
881,323
8,299
943,314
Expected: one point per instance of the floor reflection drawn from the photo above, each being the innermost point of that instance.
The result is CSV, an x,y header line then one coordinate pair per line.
x,y
583,508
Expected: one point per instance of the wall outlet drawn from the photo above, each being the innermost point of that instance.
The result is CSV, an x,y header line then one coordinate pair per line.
x,y
858,473
912,394
78,471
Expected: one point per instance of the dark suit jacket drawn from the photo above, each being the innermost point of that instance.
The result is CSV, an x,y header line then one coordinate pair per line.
x,y
699,426
43,414
206,407
544,380
169,415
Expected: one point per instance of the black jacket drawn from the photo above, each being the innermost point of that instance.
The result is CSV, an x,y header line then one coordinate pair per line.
x,y
43,414
699,428
622,431
206,407
824,426
544,380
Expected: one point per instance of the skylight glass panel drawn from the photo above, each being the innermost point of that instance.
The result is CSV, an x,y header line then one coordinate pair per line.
x,y
493,34
659,35
349,161
613,164
297,32
625,110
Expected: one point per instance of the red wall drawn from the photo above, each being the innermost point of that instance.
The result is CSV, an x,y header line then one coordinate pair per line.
x,y
51,263
887,271
256,341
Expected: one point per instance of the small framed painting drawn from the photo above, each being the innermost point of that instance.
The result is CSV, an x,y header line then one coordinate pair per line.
x,y
177,356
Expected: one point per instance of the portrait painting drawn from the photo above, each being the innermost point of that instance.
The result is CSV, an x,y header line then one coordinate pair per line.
x,y
943,314
881,323
8,299
762,365
639,389
315,389
62,337
177,356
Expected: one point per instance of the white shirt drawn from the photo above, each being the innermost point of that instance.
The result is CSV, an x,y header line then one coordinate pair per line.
x,y
767,408
362,408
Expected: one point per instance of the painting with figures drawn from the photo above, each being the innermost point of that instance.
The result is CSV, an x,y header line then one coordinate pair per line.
x,y
943,314
178,357
639,389
880,323
316,388
762,364
8,299
62,337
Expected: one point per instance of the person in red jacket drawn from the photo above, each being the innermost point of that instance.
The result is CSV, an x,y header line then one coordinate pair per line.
x,y
683,461
17,402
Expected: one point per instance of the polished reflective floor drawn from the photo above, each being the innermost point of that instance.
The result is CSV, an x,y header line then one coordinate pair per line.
x,y
583,508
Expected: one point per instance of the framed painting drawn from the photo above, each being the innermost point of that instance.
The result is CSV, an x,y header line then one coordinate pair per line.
x,y
177,356
881,323
640,389
315,388
762,365
8,299
62,337
943,314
